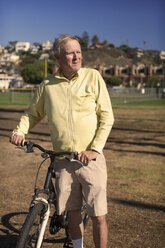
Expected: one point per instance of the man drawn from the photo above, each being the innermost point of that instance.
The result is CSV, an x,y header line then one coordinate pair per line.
x,y
80,118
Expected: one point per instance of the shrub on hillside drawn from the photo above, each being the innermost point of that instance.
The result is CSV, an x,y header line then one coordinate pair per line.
x,y
114,81
153,82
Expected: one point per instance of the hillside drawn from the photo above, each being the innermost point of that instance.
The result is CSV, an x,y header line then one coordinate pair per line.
x,y
112,56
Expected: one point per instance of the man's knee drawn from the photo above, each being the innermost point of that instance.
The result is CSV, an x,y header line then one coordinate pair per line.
x,y
99,220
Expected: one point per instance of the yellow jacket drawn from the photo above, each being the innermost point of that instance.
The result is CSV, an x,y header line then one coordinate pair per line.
x,y
79,111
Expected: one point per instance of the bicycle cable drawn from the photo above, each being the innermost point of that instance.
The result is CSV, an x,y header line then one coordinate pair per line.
x,y
35,184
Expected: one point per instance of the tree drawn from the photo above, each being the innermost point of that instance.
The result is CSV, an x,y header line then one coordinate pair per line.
x,y
85,39
111,45
28,58
124,47
36,44
13,43
34,73
105,43
82,43
114,81
95,40
144,42
153,82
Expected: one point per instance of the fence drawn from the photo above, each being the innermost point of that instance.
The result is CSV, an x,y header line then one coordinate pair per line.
x,y
118,95
123,95
16,96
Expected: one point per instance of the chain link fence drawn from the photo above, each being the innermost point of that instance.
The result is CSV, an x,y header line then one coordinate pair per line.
x,y
124,95
118,95
16,96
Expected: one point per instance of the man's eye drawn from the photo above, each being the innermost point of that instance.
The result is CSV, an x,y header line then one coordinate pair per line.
x,y
72,53
67,53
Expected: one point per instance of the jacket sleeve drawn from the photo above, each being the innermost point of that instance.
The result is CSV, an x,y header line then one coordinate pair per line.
x,y
104,114
33,114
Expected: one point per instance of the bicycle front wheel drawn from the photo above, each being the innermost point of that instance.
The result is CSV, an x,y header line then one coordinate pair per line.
x,y
32,232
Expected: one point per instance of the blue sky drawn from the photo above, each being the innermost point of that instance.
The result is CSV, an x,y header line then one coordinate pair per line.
x,y
118,21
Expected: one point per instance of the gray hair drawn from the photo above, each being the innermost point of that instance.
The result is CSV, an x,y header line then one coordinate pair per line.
x,y
59,42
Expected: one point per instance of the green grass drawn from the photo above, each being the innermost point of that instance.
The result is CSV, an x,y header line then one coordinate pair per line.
x,y
24,98
140,102
15,98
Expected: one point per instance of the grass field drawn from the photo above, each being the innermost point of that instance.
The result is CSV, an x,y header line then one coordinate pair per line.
x,y
139,102
24,98
135,155
15,98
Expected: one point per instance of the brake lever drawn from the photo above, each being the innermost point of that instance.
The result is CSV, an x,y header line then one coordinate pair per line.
x,y
29,147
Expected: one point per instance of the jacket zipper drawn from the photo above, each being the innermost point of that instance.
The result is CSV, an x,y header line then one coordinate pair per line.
x,y
69,115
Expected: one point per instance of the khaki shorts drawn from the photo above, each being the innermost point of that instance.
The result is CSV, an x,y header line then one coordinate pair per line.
x,y
75,182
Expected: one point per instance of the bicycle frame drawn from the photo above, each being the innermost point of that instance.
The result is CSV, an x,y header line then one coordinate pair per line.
x,y
57,221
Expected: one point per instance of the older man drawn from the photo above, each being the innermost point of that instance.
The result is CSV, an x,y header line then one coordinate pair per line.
x,y
80,118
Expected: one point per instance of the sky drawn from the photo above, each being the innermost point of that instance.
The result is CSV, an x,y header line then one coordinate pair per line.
x,y
137,23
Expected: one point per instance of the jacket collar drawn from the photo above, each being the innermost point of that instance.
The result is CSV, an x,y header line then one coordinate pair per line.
x,y
60,75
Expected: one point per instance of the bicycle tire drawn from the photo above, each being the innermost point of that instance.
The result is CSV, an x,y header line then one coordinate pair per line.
x,y
28,238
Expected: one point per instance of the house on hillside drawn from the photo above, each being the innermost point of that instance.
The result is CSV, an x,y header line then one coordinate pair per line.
x,y
6,58
162,55
47,46
22,47
44,56
35,48
5,81
99,45
139,52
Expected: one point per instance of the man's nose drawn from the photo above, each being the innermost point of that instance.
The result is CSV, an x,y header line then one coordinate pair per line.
x,y
75,55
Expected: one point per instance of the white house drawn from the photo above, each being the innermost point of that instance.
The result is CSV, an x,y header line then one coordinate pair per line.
x,y
47,46
8,58
139,53
5,81
34,49
22,46
44,56
162,55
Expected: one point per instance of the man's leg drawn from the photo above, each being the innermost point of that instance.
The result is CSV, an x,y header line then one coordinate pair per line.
x,y
76,229
100,231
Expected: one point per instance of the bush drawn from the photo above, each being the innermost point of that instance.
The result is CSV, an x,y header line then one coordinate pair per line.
x,y
153,82
34,73
114,81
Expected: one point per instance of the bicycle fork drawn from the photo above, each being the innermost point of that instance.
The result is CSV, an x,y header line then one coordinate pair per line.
x,y
44,223
47,203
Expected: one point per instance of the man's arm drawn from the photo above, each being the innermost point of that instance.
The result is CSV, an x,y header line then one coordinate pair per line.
x,y
32,116
105,118
104,115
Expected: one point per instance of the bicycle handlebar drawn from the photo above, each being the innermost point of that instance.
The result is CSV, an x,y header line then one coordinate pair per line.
x,y
30,145
73,156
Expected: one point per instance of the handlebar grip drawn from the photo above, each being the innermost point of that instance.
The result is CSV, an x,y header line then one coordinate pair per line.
x,y
24,143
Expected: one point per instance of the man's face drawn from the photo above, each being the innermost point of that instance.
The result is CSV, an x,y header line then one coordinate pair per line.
x,y
70,57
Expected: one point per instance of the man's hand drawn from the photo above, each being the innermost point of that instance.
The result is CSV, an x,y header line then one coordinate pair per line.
x,y
16,139
86,156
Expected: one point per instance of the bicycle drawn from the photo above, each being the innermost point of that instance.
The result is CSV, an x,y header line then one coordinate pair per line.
x,y
33,229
